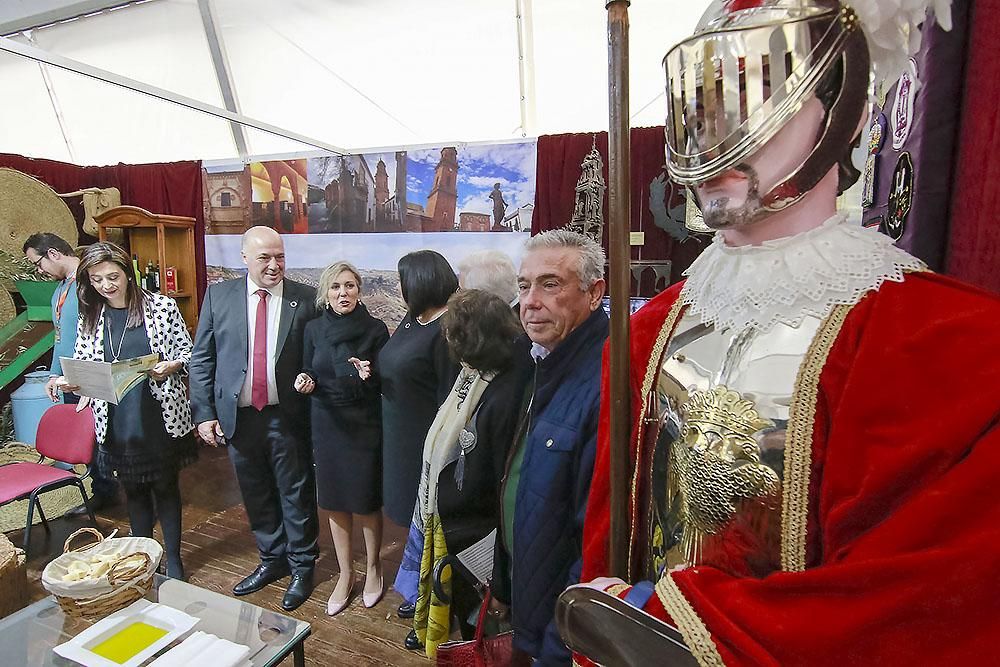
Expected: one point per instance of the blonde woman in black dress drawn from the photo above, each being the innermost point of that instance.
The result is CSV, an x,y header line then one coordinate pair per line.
x,y
340,372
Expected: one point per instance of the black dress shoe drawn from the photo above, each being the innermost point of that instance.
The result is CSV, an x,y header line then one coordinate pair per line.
x,y
299,590
262,576
406,610
411,642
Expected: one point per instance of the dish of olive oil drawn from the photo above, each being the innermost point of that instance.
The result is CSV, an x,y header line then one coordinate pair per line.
x,y
128,642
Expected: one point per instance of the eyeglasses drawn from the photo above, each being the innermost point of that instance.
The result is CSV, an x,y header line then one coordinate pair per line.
x,y
37,263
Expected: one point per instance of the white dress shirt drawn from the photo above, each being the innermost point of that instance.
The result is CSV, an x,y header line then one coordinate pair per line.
x,y
273,320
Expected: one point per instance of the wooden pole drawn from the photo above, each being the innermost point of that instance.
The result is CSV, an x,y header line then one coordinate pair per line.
x,y
619,222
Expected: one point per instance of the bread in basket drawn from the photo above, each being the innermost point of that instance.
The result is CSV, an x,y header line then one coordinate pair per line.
x,y
104,576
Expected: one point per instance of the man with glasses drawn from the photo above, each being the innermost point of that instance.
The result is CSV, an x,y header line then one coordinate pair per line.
x,y
54,258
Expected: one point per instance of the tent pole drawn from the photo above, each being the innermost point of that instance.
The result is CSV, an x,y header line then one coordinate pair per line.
x,y
526,65
220,62
619,222
54,101
70,65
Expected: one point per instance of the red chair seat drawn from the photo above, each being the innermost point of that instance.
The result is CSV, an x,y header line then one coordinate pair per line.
x,y
20,479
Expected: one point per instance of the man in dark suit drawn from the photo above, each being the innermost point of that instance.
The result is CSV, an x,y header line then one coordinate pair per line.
x,y
247,353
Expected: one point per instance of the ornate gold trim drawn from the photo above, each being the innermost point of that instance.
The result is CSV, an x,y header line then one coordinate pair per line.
x,y
697,636
616,589
652,367
798,442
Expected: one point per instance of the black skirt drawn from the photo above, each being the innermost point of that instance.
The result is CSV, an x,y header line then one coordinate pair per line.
x,y
347,447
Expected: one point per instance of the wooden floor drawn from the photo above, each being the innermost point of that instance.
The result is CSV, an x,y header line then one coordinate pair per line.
x,y
218,551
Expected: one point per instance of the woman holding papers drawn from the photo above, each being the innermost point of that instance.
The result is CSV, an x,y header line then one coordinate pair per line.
x,y
464,455
147,437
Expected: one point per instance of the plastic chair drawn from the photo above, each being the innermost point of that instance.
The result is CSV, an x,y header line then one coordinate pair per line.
x,y
66,436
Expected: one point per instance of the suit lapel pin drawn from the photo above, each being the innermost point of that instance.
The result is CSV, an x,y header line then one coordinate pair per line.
x,y
293,304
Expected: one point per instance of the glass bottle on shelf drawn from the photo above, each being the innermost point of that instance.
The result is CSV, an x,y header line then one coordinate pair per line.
x,y
148,278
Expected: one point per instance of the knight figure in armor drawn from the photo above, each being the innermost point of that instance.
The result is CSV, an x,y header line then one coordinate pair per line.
x,y
815,415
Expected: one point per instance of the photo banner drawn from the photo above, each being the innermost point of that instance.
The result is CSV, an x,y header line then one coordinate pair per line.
x,y
372,209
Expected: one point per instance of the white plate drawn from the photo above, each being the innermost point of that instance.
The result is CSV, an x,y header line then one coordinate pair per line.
x,y
175,622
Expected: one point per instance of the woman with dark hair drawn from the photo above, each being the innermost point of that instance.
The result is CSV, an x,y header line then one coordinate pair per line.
x,y
464,454
417,374
147,438
340,348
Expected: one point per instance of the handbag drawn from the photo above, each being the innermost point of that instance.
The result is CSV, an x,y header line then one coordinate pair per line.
x,y
481,651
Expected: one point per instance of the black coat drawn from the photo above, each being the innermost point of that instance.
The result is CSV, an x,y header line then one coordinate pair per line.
x,y
329,341
417,374
346,411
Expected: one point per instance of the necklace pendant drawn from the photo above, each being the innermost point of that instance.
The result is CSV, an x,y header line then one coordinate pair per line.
x,y
115,355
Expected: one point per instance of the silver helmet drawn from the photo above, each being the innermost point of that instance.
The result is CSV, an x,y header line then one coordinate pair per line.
x,y
746,71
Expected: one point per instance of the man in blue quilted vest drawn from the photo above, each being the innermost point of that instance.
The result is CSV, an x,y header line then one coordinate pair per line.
x,y
547,476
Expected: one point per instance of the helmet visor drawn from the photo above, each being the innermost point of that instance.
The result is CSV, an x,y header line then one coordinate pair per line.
x,y
732,86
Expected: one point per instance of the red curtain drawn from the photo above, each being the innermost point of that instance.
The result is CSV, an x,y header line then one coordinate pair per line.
x,y
172,188
974,241
557,172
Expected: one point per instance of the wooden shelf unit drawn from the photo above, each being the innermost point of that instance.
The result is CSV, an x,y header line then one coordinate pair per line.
x,y
167,240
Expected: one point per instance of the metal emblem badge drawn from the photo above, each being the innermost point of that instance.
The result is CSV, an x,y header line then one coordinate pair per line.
x,y
901,115
900,198
876,136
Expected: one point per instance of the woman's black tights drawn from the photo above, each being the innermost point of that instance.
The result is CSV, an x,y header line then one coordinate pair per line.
x,y
161,500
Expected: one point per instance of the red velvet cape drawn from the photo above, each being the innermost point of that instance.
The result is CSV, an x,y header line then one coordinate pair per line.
x,y
904,504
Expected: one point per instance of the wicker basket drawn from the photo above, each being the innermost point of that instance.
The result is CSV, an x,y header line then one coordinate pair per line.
x,y
13,578
129,578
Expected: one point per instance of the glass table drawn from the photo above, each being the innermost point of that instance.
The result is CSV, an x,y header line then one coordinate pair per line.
x,y
27,637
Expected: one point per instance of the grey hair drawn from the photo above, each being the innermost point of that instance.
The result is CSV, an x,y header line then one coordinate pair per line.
x,y
327,277
590,268
491,271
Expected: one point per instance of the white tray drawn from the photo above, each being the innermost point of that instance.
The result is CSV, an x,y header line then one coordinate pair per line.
x,y
175,622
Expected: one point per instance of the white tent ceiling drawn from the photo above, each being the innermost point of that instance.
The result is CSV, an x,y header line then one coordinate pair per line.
x,y
354,74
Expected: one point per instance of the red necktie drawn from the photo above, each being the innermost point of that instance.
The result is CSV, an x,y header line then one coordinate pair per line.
x,y
258,383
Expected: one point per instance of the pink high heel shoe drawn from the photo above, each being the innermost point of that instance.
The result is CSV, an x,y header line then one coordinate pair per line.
x,y
369,600
334,607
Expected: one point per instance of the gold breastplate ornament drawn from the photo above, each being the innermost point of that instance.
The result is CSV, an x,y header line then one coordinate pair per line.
x,y
715,468
720,408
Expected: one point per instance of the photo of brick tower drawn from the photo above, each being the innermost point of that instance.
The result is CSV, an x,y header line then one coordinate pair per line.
x,y
471,188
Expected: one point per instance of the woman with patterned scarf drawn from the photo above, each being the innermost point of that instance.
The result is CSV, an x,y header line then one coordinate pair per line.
x,y
464,455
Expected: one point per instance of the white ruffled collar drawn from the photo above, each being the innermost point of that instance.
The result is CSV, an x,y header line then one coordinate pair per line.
x,y
790,278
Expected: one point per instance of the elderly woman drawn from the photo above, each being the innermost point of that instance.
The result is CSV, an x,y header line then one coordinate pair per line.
x,y
417,374
145,439
339,350
465,451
